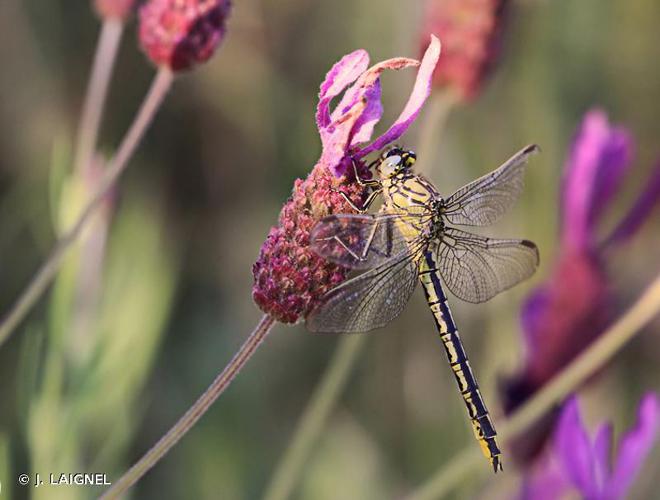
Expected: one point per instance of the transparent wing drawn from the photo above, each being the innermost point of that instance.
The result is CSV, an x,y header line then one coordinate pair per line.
x,y
484,200
370,300
476,268
362,241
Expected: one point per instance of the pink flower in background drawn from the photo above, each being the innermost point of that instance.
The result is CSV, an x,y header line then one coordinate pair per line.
x,y
578,464
576,303
289,278
471,34
182,33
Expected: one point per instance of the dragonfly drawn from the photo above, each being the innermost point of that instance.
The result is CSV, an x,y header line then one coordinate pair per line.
x,y
412,239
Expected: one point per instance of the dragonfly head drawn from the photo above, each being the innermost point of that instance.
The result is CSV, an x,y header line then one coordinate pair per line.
x,y
395,160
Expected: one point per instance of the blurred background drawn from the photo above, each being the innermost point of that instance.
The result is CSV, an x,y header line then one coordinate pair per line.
x,y
155,301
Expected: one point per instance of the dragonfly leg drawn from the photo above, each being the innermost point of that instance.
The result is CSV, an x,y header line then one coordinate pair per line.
x,y
370,240
345,247
365,182
370,199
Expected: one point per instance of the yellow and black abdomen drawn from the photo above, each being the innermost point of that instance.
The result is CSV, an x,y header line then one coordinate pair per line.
x,y
413,195
482,425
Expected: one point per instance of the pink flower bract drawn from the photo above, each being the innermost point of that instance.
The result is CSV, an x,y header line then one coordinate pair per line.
x,y
289,278
182,33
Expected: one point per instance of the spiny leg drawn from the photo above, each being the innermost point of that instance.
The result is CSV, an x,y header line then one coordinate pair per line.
x,y
367,246
370,239
367,203
365,182
345,247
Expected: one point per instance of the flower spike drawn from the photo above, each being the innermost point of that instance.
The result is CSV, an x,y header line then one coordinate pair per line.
x,y
180,34
290,279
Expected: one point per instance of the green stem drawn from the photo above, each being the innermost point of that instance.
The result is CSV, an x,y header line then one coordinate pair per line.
x,y
314,417
328,391
435,118
194,413
97,90
43,278
582,367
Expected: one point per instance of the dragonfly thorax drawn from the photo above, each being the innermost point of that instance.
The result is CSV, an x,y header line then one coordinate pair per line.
x,y
412,239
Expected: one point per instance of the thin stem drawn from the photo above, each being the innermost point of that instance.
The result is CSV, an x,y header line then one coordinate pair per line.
x,y
196,411
39,283
587,363
330,387
314,417
433,123
97,90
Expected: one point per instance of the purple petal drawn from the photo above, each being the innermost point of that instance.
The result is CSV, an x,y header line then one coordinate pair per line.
x,y
602,454
574,450
364,127
599,157
580,173
615,159
640,211
368,87
420,92
635,446
356,114
533,317
340,76
545,482
336,138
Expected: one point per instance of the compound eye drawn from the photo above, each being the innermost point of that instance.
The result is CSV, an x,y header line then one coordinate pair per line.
x,y
393,161
390,165
388,152
411,157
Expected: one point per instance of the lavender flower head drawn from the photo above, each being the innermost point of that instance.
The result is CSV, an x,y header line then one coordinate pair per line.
x,y
578,464
180,34
289,278
576,303
471,32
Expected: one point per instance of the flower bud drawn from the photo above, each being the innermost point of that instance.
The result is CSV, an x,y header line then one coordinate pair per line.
x,y
181,33
471,33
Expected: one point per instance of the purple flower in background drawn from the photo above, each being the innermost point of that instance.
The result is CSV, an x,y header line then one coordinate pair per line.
x,y
600,156
574,306
289,278
578,464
